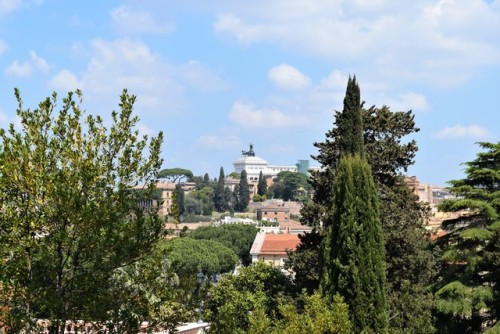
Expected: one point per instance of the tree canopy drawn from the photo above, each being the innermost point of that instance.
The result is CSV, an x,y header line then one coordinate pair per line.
x,y
238,237
243,197
68,216
468,295
236,297
188,256
410,262
290,186
220,198
175,174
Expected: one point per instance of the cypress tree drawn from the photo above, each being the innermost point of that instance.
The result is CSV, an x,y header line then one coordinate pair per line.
x,y
353,247
261,185
350,121
243,193
219,198
178,197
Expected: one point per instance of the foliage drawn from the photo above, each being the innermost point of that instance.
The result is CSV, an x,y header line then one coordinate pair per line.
x,y
468,292
177,208
175,174
205,196
220,197
261,185
408,250
201,181
259,198
410,259
353,246
354,264
243,193
316,317
193,206
236,297
148,289
289,186
238,237
234,175
188,256
304,261
68,216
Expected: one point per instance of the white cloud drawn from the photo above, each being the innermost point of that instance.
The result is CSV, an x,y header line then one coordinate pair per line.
x,y
7,6
129,21
403,41
19,70
65,81
409,101
200,77
246,115
288,77
144,130
125,63
218,142
39,62
6,120
3,47
459,131
25,69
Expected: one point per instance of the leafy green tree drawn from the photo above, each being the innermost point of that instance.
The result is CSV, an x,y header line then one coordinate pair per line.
x,y
175,174
317,317
188,256
234,175
68,216
177,207
147,289
261,185
219,193
410,262
193,206
238,237
304,261
259,198
232,301
353,247
468,292
243,193
181,198
228,198
205,195
354,263
290,186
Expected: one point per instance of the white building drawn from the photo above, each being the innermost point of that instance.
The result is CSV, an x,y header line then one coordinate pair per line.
x,y
253,165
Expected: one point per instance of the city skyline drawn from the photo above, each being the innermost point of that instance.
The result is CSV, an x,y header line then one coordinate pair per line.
x,y
217,77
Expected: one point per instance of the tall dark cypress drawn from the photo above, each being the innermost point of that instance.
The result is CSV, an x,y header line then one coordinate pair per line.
x,y
353,246
219,198
261,185
244,193
350,121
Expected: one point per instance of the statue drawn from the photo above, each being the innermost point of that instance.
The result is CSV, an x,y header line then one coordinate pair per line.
x,y
249,153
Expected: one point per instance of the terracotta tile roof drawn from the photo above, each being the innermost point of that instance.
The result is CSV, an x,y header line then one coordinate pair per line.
x,y
438,234
279,243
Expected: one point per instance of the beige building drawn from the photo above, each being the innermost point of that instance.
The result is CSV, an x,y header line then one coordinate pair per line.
x,y
166,189
277,214
272,248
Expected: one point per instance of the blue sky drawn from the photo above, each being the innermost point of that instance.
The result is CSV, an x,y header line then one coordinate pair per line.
x,y
215,76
